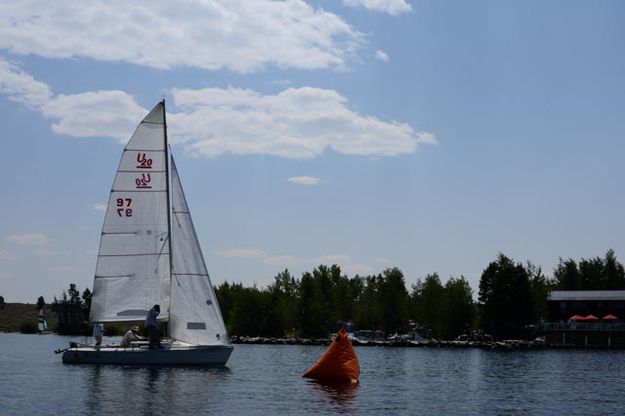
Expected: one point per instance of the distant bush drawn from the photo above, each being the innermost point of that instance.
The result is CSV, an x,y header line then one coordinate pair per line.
x,y
28,327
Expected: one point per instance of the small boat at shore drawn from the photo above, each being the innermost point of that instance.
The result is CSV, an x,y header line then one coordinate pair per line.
x,y
150,254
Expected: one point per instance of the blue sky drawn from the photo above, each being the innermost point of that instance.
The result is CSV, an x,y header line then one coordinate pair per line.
x,y
425,135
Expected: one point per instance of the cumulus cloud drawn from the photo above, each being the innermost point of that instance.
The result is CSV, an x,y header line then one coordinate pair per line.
x,y
28,239
241,35
304,180
297,123
392,7
20,87
381,55
91,113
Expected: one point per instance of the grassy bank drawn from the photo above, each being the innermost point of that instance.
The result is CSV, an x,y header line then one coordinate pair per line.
x,y
16,315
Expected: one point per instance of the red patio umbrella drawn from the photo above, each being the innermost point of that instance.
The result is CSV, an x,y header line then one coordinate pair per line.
x,y
576,318
590,318
609,317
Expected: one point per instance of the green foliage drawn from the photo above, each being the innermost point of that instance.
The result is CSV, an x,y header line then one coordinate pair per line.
x,y
505,298
394,299
72,313
540,286
590,274
28,327
40,303
447,311
458,309
2,304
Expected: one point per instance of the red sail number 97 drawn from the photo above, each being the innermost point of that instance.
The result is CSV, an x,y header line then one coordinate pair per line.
x,y
123,207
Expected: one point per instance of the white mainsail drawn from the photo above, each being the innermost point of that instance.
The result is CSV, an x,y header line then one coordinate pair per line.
x,y
133,267
195,316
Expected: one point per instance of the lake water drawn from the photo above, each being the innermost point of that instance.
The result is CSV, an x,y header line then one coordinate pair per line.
x,y
266,380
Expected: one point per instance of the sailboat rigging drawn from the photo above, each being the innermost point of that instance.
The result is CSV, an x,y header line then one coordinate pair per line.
x,y
150,254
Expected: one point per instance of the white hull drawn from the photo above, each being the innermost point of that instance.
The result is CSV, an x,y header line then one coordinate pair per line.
x,y
206,355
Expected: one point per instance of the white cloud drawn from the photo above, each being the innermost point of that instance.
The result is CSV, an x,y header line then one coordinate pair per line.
x,y
5,255
304,180
29,239
297,123
381,55
21,87
242,35
94,114
392,7
99,207
83,228
241,252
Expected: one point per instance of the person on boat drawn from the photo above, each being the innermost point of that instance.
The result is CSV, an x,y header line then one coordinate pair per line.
x,y
131,335
98,329
152,326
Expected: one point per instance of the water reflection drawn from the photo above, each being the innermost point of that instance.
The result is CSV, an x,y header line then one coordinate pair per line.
x,y
153,390
341,397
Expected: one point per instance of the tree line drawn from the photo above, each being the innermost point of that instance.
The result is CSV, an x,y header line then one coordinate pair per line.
x,y
512,296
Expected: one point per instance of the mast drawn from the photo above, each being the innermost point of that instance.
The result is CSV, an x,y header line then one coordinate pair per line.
x,y
167,188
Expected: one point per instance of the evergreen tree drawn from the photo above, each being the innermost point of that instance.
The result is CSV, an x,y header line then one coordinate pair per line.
x,y
458,310
427,304
394,298
567,275
540,286
40,303
505,298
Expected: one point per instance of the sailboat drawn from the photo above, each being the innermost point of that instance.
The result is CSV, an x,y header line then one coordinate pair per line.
x,y
150,254
42,325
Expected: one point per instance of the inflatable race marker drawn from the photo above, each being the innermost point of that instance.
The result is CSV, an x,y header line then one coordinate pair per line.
x,y
338,364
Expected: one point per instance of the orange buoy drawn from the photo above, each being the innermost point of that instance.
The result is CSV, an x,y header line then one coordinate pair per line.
x,y
338,364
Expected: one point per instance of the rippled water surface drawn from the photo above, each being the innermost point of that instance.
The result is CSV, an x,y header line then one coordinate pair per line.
x,y
267,380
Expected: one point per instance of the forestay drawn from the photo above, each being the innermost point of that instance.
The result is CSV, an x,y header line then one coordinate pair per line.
x,y
133,268
195,316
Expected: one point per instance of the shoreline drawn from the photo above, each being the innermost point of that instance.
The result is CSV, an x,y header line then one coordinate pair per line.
x,y
505,345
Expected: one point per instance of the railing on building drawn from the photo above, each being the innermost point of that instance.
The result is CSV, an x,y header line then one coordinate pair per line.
x,y
582,326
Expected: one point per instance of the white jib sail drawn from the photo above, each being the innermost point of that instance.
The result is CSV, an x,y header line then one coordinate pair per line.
x,y
194,315
132,272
